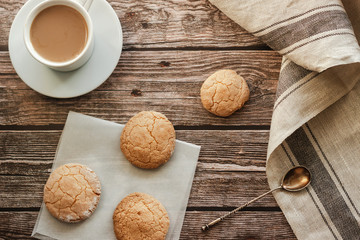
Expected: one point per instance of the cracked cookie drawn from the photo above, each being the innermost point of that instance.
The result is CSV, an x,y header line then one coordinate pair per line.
x,y
148,139
140,216
224,92
72,192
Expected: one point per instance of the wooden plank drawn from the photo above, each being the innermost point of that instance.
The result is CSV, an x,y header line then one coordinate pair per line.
x,y
231,168
241,226
142,81
31,152
209,189
164,24
17,225
245,225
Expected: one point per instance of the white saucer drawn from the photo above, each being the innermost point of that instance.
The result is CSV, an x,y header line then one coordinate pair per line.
x,y
108,45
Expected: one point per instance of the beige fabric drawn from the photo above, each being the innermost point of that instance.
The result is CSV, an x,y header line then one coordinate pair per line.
x,y
316,114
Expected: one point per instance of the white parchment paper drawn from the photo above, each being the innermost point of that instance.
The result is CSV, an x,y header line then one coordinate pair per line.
x,y
96,143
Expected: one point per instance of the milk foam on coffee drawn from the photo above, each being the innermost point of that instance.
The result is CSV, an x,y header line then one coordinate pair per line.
x,y
59,33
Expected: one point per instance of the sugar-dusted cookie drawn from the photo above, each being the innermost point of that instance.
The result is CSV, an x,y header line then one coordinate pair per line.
x,y
148,139
140,216
224,92
72,192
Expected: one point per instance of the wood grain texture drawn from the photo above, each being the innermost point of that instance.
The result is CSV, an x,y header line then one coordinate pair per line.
x,y
230,171
221,150
161,24
142,81
209,189
244,225
17,225
241,226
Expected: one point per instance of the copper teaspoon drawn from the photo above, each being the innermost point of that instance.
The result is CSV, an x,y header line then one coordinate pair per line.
x,y
296,179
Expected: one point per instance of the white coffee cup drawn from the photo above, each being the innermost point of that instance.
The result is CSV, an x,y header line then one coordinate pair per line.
x,y
80,6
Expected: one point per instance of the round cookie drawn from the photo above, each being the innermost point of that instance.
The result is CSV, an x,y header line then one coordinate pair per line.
x,y
224,92
140,216
148,139
72,192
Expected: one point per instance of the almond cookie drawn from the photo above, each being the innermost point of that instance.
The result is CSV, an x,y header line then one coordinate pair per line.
x,y
140,216
224,92
72,192
148,139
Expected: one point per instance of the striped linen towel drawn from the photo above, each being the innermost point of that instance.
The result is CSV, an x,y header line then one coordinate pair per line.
x,y
316,118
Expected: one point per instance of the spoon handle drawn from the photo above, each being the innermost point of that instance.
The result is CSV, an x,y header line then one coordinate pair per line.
x,y
207,226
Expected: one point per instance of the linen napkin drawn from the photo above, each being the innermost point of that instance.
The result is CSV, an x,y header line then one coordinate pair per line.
x,y
96,143
316,115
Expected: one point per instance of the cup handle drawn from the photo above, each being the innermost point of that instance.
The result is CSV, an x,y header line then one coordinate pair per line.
x,y
85,3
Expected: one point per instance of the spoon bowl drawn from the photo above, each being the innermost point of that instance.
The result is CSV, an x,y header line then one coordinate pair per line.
x,y
296,179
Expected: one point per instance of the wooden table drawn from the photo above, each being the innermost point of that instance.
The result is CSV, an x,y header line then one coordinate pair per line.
x,y
170,48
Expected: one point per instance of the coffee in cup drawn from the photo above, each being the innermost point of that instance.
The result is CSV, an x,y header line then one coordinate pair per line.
x,y
59,34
